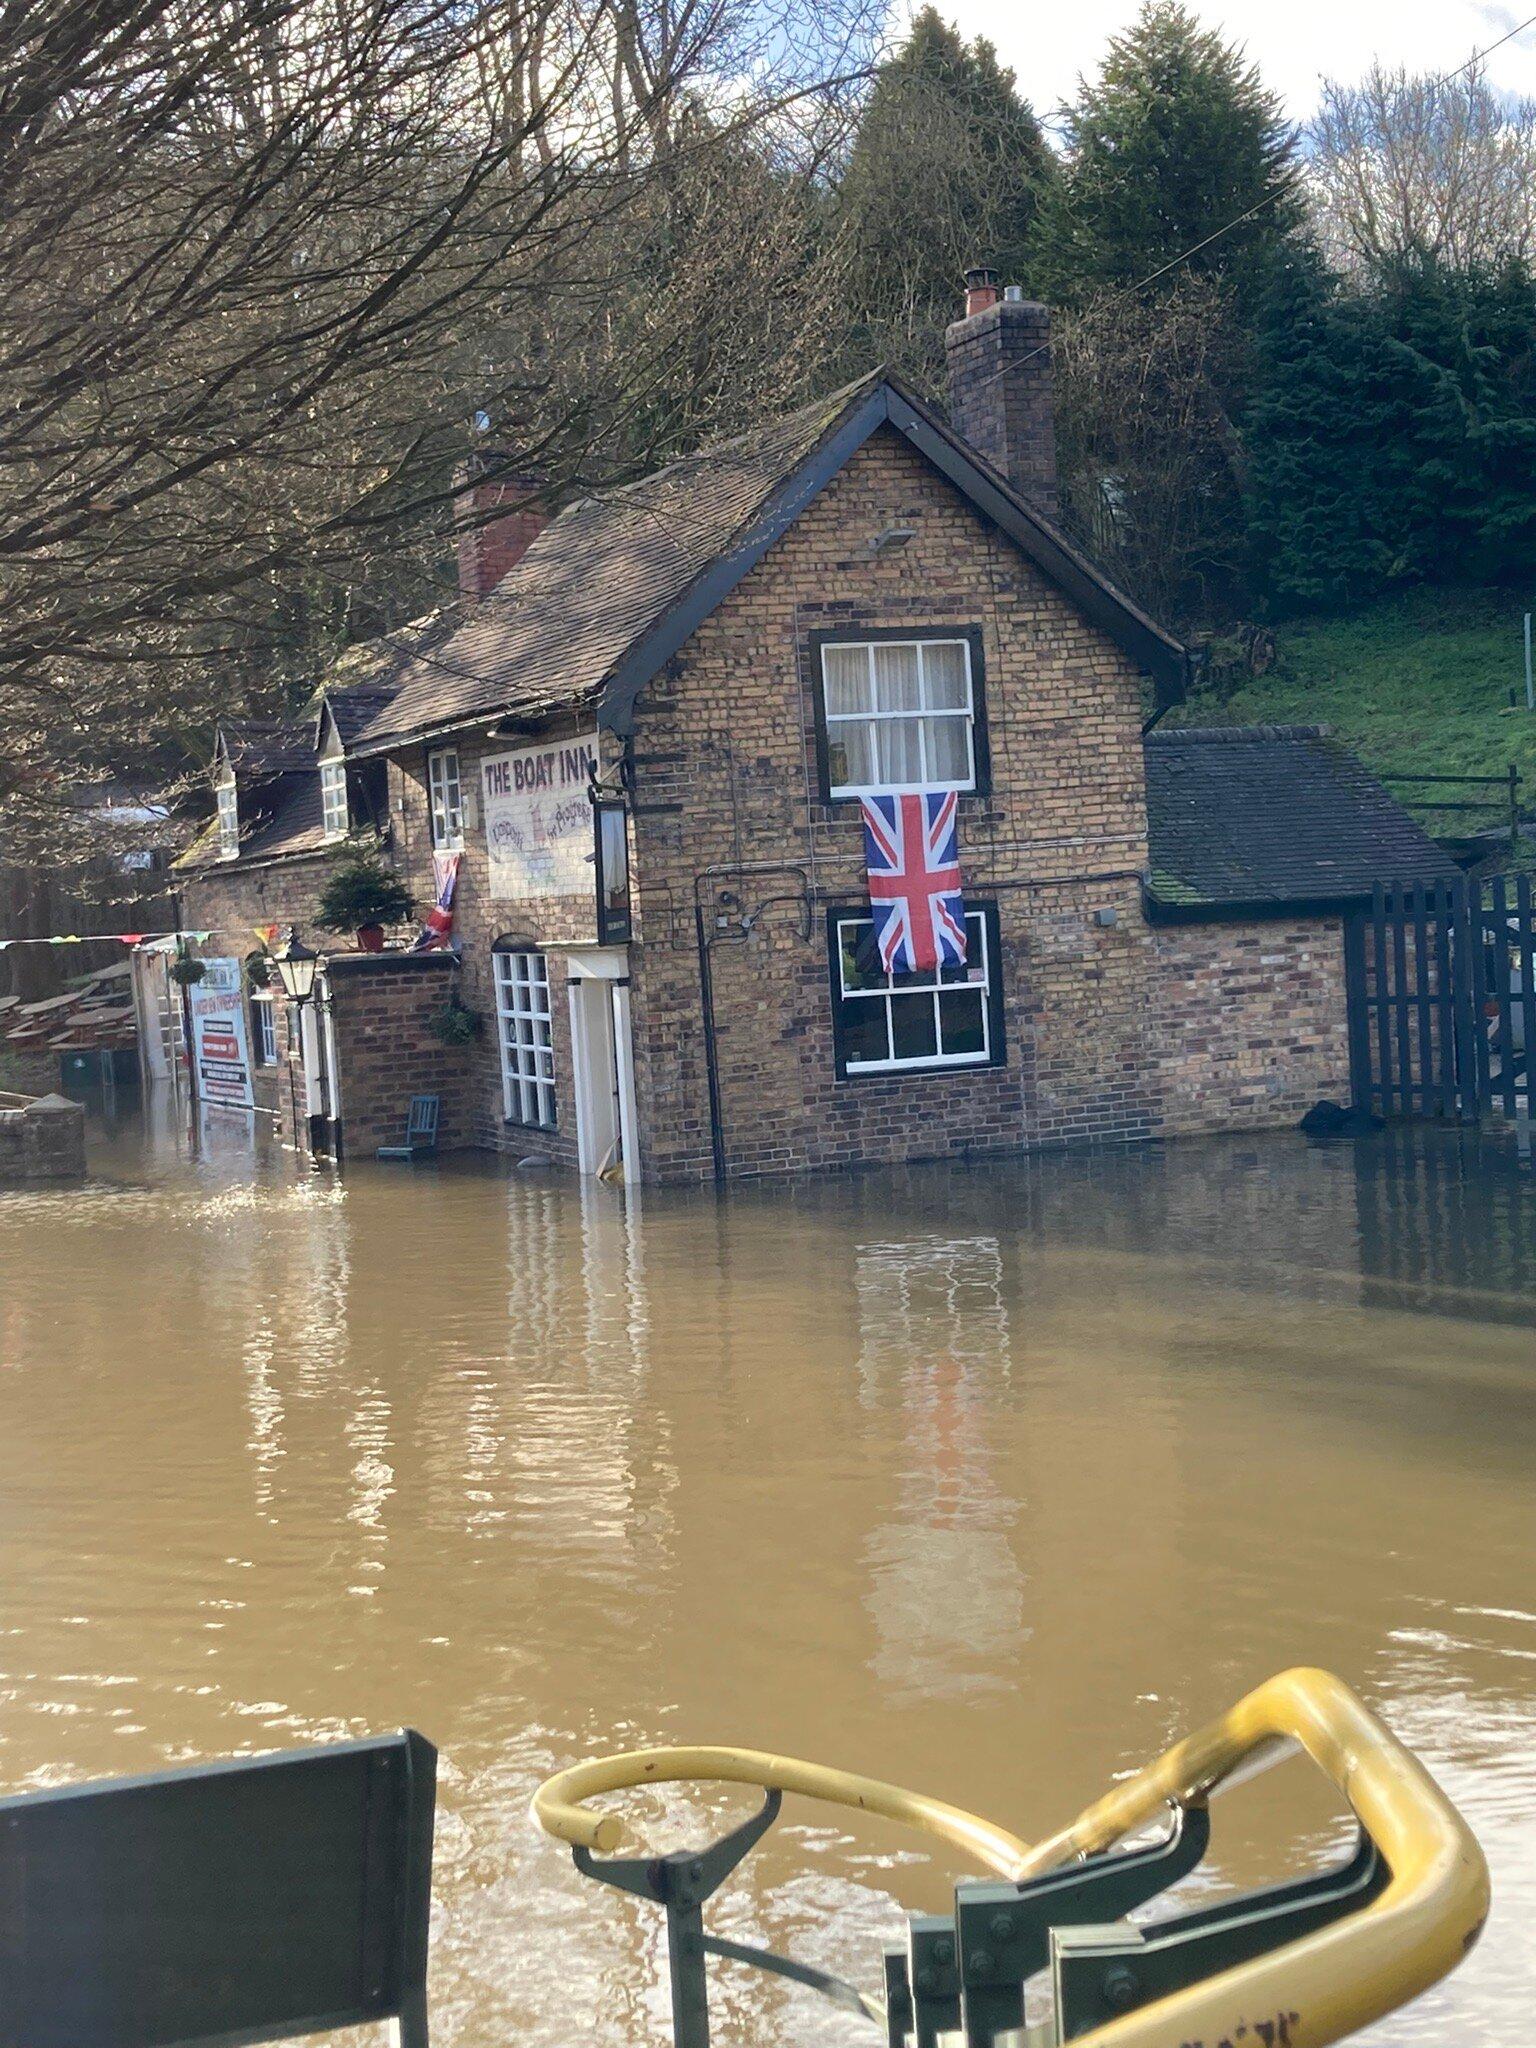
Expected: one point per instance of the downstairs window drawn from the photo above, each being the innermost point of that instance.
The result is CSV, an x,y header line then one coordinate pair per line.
x,y
887,1024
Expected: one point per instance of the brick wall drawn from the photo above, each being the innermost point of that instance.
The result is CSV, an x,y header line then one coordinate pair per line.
x,y
1250,1022
382,1005
480,922
232,903
727,778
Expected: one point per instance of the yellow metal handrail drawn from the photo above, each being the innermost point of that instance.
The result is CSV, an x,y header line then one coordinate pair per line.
x,y
558,1809
1310,1992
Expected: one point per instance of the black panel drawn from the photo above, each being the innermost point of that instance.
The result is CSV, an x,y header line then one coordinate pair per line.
x,y
233,1901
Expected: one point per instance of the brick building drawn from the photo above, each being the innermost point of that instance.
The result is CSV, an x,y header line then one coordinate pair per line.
x,y
643,732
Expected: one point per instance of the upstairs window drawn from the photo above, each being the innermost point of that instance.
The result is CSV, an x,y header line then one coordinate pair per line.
x,y
229,820
900,714
446,793
333,798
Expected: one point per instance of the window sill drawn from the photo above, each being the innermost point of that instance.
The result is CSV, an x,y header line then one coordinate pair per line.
x,y
920,1070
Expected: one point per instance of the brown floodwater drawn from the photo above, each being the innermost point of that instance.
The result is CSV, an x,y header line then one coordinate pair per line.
x,y
989,1481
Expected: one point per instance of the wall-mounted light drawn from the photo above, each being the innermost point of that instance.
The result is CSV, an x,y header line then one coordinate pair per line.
x,y
889,539
610,850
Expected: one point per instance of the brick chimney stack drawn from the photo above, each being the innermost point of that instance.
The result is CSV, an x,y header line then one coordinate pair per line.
x,y
493,542
1000,391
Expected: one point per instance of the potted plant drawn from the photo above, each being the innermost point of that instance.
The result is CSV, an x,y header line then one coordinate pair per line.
x,y
456,1023
186,970
258,969
363,896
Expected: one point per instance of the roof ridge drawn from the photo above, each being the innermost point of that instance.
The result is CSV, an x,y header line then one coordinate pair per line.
x,y
1233,735
752,438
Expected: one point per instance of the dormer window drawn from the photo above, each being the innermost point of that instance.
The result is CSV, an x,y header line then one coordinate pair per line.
x,y
333,799
229,818
445,789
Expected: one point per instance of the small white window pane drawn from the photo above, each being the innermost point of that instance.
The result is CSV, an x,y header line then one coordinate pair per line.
x,y
846,670
899,756
897,684
948,749
946,686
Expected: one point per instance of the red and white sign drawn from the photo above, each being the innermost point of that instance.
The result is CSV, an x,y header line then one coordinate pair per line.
x,y
221,1050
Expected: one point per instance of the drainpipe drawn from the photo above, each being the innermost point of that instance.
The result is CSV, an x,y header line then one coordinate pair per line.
x,y
711,1050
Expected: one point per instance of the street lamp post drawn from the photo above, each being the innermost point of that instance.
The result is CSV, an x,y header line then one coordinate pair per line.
x,y
297,966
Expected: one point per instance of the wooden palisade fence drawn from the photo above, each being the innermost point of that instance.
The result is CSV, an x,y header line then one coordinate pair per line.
x,y
1441,984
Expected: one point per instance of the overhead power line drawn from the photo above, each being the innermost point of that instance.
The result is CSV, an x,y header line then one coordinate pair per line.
x,y
1129,291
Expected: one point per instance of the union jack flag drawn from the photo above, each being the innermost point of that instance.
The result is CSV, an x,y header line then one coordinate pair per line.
x,y
913,861
438,928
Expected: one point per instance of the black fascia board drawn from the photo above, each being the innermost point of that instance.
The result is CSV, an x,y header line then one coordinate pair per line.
x,y
660,641
1154,651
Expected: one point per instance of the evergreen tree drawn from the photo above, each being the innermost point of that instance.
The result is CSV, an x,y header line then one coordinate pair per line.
x,y
1177,140
1392,436
947,169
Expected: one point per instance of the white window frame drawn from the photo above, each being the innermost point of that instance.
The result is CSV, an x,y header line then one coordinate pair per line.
x,y
523,1031
445,799
228,800
960,978
833,720
335,816
266,1030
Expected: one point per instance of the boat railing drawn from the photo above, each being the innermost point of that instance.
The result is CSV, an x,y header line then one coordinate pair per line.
x,y
1296,1965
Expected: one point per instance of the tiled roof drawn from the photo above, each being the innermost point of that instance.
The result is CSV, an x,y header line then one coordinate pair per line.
x,y
267,746
362,680
1272,815
281,816
597,576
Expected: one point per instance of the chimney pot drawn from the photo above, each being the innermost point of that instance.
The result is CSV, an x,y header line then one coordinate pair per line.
x,y
981,290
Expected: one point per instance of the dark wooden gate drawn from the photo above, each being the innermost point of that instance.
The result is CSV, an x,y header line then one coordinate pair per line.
x,y
1441,981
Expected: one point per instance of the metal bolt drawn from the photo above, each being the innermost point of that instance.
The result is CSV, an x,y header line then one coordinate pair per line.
x,y
943,1951
1121,1988
1000,1926
926,1980
980,1963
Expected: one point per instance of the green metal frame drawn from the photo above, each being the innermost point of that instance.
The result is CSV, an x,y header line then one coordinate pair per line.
x,y
966,1972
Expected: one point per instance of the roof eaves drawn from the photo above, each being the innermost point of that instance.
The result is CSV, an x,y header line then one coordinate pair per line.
x,y
656,646
1158,653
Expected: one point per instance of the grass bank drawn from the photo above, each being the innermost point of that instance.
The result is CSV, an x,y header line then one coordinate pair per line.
x,y
1416,685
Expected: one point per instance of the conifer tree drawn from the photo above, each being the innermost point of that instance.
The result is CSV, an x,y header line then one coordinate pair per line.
x,y
1392,436
1178,139
947,169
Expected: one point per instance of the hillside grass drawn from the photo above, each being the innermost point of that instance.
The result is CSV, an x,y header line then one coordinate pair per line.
x,y
1415,685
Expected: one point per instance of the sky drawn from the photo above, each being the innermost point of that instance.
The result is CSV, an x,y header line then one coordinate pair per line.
x,y
1294,42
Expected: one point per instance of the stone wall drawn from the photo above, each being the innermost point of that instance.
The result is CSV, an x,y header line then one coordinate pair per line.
x,y
1251,1022
42,1138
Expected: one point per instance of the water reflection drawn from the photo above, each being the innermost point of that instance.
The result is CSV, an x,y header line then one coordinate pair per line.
x,y
987,1481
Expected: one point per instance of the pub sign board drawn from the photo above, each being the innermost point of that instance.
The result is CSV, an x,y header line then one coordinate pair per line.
x,y
538,818
220,1040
